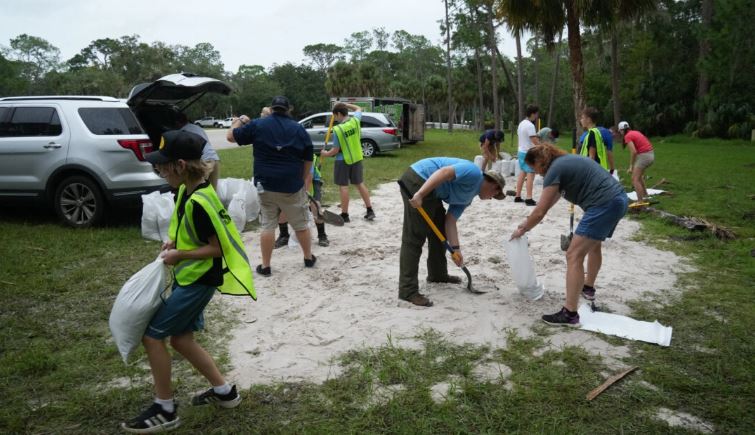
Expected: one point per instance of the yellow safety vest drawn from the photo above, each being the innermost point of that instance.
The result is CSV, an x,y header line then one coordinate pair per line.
x,y
316,175
600,147
349,139
237,273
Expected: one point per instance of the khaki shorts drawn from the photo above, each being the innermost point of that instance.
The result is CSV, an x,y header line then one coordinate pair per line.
x,y
295,205
644,160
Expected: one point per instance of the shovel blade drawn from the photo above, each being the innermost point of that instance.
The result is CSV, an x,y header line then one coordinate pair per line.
x,y
331,218
565,242
469,282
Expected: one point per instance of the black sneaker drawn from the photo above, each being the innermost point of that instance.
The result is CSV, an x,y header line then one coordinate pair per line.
x,y
518,199
210,397
370,215
530,202
562,318
281,241
588,293
264,271
345,217
310,263
153,419
323,241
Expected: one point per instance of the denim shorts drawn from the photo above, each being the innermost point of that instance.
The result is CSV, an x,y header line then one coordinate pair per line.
x,y
523,166
181,312
598,223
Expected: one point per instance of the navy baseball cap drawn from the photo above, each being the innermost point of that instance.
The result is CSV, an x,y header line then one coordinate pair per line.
x,y
177,144
280,102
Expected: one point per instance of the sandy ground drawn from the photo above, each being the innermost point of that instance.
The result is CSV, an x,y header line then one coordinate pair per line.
x,y
305,317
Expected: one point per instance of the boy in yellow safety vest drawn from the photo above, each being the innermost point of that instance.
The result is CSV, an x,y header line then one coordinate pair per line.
x,y
208,255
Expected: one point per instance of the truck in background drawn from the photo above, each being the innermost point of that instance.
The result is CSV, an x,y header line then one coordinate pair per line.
x,y
409,117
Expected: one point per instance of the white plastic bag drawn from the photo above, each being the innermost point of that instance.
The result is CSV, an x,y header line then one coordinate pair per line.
x,y
523,269
136,304
237,210
156,213
251,201
227,187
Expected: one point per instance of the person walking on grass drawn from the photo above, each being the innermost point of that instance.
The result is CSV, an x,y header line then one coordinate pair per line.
x,y
527,138
641,157
208,255
434,181
347,147
596,142
585,183
282,161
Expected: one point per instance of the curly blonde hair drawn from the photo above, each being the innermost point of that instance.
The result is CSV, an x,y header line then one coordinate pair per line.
x,y
195,169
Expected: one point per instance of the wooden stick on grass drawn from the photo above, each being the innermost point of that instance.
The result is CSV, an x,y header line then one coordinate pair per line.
x,y
610,381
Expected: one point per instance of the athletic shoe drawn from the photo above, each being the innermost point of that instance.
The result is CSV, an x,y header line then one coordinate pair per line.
x,y
588,293
530,202
370,215
210,397
323,241
281,241
310,263
264,271
562,318
153,419
345,217
518,199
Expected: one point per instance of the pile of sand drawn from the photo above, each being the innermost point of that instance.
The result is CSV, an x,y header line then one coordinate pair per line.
x,y
304,317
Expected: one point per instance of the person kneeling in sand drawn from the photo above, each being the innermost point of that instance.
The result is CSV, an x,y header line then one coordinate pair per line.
x,y
437,180
585,183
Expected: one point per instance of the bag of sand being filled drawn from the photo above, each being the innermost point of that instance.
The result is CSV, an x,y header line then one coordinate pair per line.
x,y
523,268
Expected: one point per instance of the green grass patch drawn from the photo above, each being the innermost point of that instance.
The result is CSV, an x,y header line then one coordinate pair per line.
x,y
61,373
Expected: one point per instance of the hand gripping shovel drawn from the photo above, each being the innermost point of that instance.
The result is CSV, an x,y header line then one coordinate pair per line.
x,y
442,239
328,216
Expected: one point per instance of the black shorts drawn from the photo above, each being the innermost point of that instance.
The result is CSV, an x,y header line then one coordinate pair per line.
x,y
344,174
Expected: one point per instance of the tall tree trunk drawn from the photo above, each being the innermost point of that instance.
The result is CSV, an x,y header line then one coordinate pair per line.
x,y
519,77
493,73
575,60
506,72
703,82
448,70
615,75
481,113
537,70
552,98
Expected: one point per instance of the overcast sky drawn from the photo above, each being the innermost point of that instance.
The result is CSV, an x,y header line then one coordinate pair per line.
x,y
244,32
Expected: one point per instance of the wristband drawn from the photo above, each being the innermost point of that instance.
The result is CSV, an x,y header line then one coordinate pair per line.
x,y
456,248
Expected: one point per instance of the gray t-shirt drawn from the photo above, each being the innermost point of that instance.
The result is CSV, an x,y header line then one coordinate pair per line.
x,y
582,181
208,153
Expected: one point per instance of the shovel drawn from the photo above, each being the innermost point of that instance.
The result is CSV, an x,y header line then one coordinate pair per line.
x,y
566,240
328,216
442,239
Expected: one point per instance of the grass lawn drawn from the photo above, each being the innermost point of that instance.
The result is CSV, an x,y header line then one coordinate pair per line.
x,y
60,371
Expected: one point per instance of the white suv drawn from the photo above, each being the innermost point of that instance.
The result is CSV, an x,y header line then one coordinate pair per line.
x,y
77,153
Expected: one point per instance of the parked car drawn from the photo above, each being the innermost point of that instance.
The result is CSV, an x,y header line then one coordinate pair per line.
x,y
224,123
379,133
207,121
81,154
76,153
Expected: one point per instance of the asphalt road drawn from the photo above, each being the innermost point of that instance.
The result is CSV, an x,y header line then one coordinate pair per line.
x,y
217,138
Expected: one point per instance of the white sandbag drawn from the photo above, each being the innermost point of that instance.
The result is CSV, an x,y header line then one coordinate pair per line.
x,y
478,160
523,268
623,326
157,210
237,210
227,187
509,168
251,201
633,195
136,304
504,155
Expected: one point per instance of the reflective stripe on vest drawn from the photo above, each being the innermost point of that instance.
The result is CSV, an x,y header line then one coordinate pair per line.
x,y
349,139
237,273
600,147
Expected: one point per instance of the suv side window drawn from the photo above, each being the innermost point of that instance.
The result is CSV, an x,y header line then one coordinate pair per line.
x,y
316,122
110,120
369,121
30,121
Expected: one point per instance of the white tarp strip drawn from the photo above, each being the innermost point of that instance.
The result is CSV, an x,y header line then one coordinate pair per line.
x,y
633,195
624,327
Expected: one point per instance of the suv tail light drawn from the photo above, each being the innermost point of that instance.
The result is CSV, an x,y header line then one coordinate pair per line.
x,y
140,147
391,131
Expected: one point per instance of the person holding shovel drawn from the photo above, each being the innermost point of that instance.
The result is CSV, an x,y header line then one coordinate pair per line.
x,y
434,181
585,183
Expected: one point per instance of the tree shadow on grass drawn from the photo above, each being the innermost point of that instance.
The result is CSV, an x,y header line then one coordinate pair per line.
x,y
31,213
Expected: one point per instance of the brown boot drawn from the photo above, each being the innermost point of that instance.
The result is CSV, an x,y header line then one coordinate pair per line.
x,y
420,300
451,279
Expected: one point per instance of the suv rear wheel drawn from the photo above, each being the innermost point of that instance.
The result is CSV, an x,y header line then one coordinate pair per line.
x,y
79,202
369,148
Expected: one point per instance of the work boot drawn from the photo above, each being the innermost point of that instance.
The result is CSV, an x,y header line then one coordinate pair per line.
x,y
420,300
281,241
450,279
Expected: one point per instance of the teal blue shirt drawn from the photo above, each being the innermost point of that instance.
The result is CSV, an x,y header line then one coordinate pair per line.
x,y
459,192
